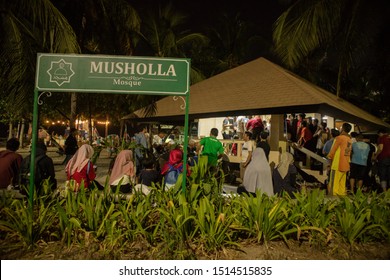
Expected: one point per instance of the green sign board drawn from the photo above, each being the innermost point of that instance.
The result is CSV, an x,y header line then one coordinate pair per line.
x,y
112,74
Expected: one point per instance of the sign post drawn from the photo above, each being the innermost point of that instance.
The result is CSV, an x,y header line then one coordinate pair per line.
x,y
110,74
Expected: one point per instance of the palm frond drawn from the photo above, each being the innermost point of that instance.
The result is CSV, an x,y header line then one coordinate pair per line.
x,y
304,27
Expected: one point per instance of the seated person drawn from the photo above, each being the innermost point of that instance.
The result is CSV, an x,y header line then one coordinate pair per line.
x,y
173,168
263,143
149,174
257,175
123,172
81,169
44,169
284,175
10,162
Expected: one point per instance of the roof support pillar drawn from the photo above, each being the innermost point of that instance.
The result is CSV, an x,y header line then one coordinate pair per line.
x,y
277,131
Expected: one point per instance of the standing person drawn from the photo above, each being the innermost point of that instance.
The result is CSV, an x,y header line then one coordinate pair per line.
x,y
70,145
305,137
123,172
312,124
258,174
212,148
255,125
291,124
44,169
142,141
340,156
383,157
10,162
241,123
360,152
227,129
263,143
300,119
158,138
81,169
191,152
369,176
246,153
328,144
322,135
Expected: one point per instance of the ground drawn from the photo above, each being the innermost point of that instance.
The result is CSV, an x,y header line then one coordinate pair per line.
x,y
247,251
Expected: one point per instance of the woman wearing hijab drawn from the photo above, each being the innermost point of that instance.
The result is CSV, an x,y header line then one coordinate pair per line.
x,y
284,175
81,169
123,172
173,167
258,174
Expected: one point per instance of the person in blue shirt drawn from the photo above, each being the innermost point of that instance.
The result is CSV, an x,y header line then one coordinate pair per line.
x,y
328,145
142,145
360,152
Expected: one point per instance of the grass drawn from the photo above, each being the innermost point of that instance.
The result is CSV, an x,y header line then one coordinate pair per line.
x,y
176,225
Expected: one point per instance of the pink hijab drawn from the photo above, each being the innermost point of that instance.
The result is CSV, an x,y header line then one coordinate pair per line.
x,y
79,160
123,165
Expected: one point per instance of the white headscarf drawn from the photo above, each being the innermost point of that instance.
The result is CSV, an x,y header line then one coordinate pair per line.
x,y
79,159
285,160
258,174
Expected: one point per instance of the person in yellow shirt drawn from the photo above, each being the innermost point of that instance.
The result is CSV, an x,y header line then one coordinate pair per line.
x,y
340,155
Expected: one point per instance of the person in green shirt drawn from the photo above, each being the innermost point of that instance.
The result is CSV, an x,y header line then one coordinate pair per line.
x,y
212,147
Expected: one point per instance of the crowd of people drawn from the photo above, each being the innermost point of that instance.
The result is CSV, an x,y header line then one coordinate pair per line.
x,y
159,160
235,127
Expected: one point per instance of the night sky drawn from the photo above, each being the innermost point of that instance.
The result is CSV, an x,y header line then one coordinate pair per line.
x,y
204,13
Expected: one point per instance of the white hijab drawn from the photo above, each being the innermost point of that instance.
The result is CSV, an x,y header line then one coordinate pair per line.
x,y
285,160
258,174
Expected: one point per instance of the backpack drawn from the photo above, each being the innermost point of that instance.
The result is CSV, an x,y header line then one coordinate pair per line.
x,y
173,174
25,171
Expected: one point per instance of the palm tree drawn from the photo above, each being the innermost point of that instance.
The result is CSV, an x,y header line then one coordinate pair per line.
x,y
28,27
235,42
102,27
337,31
164,35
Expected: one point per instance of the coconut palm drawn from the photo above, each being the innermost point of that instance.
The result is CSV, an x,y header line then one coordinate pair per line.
x,y
341,31
235,42
165,35
28,27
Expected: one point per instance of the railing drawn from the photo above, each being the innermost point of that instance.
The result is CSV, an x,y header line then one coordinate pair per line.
x,y
309,154
233,149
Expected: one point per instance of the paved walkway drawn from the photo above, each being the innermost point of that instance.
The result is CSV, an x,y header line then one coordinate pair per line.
x,y
102,163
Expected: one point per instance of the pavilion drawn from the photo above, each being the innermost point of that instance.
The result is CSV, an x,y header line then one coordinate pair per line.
x,y
258,87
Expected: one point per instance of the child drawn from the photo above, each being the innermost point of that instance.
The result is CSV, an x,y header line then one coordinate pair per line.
x,y
149,174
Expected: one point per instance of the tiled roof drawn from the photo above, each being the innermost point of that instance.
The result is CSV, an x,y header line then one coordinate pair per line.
x,y
260,87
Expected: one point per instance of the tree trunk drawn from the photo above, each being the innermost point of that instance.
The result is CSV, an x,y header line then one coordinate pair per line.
x,y
89,121
106,132
18,131
73,109
21,133
10,130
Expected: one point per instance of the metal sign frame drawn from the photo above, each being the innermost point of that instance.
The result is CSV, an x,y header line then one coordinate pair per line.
x,y
109,74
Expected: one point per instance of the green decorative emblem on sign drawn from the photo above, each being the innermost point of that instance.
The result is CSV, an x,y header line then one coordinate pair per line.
x,y
60,72
112,74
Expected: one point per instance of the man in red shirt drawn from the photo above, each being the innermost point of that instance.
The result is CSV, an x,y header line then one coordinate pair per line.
x,y
305,137
255,126
383,157
10,162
